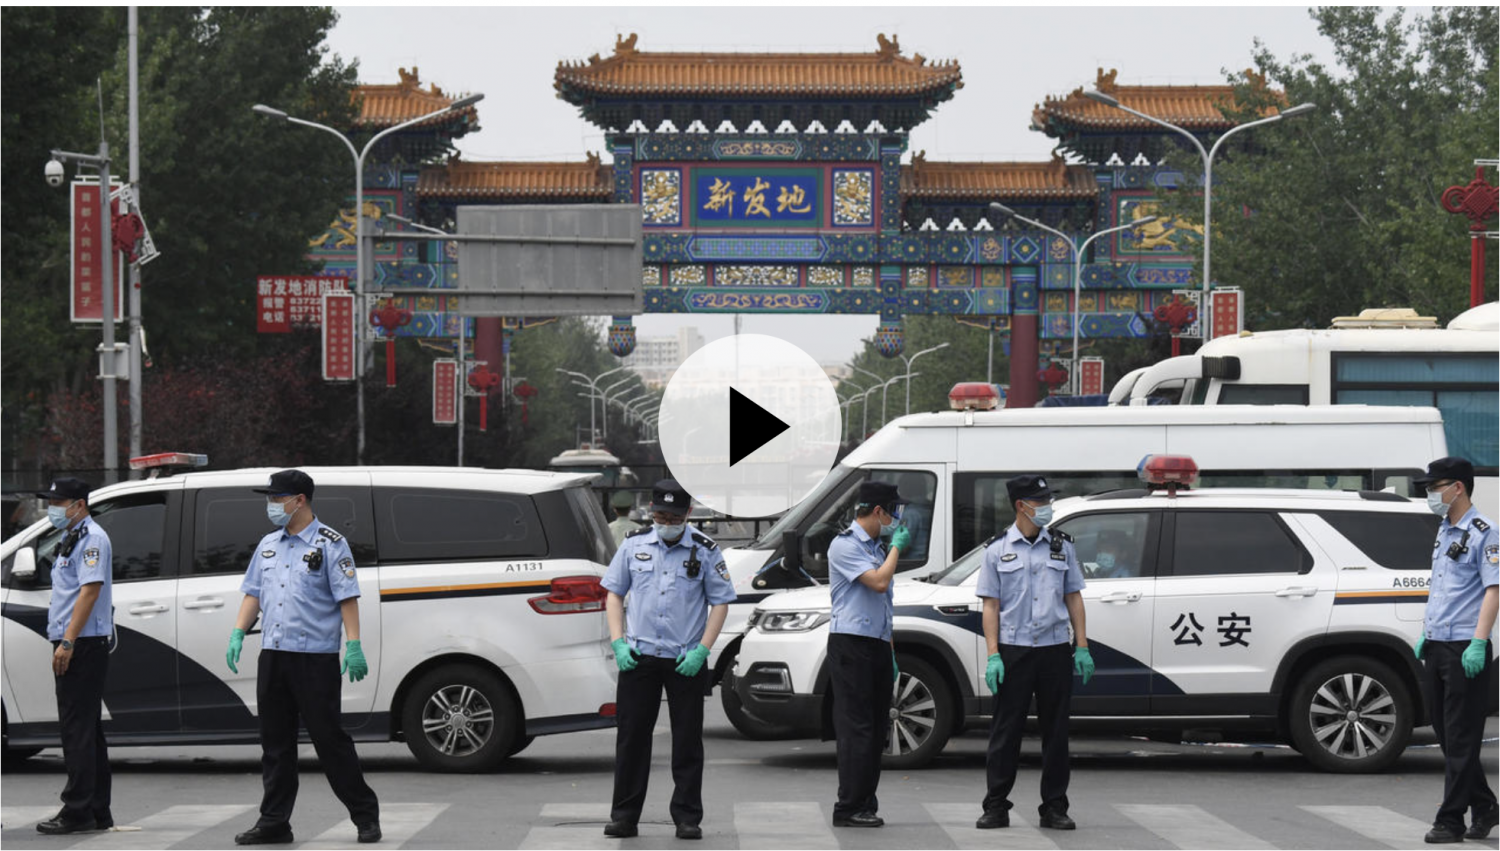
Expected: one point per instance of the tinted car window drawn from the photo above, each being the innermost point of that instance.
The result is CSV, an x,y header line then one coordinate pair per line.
x,y
982,508
136,526
596,535
1209,543
229,522
431,524
1111,545
1395,541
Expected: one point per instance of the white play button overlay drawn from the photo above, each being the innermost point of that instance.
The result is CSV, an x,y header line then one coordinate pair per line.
x,y
749,425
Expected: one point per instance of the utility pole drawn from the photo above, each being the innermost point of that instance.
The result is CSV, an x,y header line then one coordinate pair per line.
x,y
137,343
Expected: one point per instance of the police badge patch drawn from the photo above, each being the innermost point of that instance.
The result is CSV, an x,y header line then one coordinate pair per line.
x,y
347,565
91,557
1492,552
1008,557
722,569
643,556
267,553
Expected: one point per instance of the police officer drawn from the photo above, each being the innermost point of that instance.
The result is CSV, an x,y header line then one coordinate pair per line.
x,y
861,653
1461,603
80,618
302,583
1030,583
679,595
622,525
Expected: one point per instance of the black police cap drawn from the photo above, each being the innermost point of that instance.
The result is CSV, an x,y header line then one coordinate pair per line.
x,y
1027,487
1457,469
883,494
287,483
669,496
66,487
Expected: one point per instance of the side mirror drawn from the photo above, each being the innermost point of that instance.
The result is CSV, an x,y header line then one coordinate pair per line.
x,y
24,566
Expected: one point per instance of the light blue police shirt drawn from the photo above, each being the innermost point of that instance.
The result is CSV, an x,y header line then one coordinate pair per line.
x,y
300,595
1457,584
90,561
1030,579
857,608
668,609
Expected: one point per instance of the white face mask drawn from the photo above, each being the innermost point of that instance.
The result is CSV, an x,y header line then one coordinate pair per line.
x,y
1041,515
1435,502
670,533
276,513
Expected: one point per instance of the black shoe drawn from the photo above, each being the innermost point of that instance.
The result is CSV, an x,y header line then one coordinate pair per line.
x,y
1441,833
1483,824
265,836
622,829
103,822
993,819
1055,820
864,819
61,824
369,832
689,831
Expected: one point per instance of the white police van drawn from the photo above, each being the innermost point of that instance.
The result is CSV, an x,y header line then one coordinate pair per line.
x,y
481,610
1289,613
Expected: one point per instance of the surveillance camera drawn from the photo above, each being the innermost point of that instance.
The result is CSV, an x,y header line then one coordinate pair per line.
x,y
54,173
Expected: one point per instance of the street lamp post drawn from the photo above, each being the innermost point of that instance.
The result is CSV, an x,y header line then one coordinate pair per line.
x,y
911,360
864,399
604,400
1208,163
885,391
1077,267
359,234
593,385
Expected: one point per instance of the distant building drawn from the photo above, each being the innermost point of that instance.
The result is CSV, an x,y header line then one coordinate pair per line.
x,y
656,358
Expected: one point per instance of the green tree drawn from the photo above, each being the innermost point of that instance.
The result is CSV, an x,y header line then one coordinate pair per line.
x,y
1327,214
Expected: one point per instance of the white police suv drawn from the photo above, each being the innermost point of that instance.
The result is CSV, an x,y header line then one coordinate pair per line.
x,y
481,610
1289,613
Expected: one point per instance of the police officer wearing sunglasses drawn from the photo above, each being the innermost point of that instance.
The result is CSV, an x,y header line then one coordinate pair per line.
x,y
679,593
1455,647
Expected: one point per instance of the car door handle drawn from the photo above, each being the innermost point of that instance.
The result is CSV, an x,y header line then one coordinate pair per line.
x,y
148,609
1297,591
206,603
1121,597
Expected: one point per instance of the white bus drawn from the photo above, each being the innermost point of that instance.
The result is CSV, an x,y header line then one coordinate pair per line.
x,y
1390,357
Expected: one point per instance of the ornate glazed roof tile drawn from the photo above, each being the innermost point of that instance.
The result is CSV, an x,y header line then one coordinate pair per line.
x,y
482,180
1195,108
1024,180
386,105
881,74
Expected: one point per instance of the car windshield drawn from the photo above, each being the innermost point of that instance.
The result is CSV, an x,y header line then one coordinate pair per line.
x,y
771,538
963,568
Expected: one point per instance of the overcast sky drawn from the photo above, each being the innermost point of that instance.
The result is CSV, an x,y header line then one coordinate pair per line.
x,y
1011,59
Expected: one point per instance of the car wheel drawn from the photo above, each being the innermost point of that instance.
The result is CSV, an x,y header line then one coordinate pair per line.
x,y
460,718
1350,715
921,715
521,743
749,726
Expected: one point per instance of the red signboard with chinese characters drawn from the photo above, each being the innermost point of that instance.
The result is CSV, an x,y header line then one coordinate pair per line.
x,y
1090,376
86,299
338,336
444,391
1228,314
285,303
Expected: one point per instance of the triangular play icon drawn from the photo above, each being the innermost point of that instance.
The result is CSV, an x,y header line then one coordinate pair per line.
x,y
750,426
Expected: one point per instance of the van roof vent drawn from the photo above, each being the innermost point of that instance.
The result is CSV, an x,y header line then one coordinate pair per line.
x,y
1386,317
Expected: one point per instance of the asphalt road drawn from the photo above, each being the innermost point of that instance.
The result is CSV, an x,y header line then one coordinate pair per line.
x,y
1125,793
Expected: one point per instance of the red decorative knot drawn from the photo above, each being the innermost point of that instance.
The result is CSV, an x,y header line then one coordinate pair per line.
x,y
1053,377
127,230
1177,314
1479,201
389,317
525,392
483,380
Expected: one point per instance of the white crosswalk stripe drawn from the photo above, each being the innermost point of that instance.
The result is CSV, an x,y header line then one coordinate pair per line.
x,y
957,820
14,817
398,823
571,826
783,824
1377,823
170,826
1188,826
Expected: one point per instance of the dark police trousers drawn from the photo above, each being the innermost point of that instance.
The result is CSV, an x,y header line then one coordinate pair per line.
x,y
80,696
1046,672
859,670
1457,706
637,703
306,684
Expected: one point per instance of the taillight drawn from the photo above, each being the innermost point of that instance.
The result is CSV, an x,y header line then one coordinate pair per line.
x,y
571,594
607,710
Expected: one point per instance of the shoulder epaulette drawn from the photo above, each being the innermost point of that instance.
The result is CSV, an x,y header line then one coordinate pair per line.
x,y
329,533
1064,535
641,531
847,531
994,538
1481,525
704,541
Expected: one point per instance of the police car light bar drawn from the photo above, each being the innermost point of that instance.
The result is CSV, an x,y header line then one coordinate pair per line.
x,y
973,396
571,595
166,462
1168,471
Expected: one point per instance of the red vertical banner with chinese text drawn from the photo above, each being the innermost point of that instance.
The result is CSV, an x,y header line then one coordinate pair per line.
x,y
86,256
1228,314
1090,376
338,336
444,391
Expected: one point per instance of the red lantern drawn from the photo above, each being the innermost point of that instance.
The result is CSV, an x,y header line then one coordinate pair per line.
x,y
484,381
525,392
388,319
127,231
1053,377
1177,314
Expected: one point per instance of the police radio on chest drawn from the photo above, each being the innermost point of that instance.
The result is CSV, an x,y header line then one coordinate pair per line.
x,y
693,564
69,541
314,560
1457,549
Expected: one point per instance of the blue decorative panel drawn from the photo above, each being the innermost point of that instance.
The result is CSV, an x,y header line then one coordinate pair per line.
x,y
773,248
769,197
1024,249
722,300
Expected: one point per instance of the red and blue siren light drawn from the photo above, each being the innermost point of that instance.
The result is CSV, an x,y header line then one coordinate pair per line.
x,y
1168,471
973,396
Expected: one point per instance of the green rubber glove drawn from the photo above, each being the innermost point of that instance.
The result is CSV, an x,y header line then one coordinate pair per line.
x,y
623,660
1083,663
1421,640
236,642
994,673
354,661
691,662
895,669
901,539
1475,655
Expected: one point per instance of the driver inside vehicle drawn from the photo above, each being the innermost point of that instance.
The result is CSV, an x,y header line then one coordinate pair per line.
x,y
1114,556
